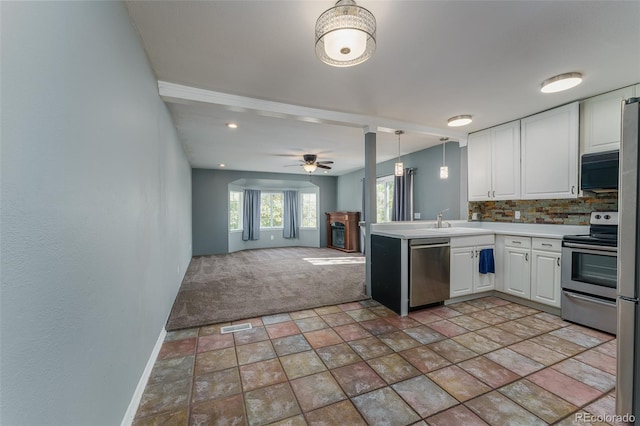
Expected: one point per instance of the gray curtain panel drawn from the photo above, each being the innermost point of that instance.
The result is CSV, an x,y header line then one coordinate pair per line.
x,y
290,217
251,215
403,196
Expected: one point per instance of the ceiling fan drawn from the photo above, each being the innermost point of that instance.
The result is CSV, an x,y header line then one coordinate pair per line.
x,y
309,163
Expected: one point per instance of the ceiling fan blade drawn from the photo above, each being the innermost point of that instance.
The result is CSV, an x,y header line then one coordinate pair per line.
x,y
292,165
322,166
324,162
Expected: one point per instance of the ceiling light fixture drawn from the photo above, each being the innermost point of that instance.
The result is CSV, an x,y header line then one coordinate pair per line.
x,y
399,166
444,170
232,125
309,167
222,165
459,120
561,82
345,34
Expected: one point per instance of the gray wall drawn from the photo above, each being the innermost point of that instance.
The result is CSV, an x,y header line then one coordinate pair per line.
x,y
431,194
211,208
96,220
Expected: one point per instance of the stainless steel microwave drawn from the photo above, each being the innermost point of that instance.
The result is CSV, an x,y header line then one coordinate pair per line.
x,y
599,171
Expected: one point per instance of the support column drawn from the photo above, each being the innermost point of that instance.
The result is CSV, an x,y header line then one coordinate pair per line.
x,y
369,197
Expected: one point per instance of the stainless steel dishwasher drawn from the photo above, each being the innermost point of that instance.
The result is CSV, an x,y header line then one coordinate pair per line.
x,y
428,271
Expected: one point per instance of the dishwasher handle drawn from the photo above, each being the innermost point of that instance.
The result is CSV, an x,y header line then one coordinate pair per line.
x,y
429,246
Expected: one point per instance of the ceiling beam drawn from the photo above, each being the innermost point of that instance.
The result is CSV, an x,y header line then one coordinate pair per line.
x,y
177,93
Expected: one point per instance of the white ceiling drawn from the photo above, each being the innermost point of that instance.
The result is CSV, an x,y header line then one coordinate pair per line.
x,y
434,60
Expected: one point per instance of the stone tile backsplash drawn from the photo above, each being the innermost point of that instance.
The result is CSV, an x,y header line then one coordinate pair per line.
x,y
560,212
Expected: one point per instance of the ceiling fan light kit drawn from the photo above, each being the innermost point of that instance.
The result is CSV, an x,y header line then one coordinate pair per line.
x,y
309,167
345,34
561,82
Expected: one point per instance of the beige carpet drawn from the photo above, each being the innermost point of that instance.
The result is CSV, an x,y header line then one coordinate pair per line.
x,y
253,283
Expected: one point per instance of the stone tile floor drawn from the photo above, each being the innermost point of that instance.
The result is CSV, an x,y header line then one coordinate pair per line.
x,y
485,361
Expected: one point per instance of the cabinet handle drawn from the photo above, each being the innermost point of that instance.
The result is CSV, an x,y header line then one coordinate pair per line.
x,y
558,259
472,254
489,194
516,242
526,257
547,245
573,189
494,194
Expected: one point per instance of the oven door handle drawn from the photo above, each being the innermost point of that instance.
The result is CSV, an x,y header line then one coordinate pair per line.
x,y
589,247
588,299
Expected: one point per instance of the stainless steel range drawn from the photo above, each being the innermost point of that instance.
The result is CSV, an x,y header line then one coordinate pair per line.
x,y
589,274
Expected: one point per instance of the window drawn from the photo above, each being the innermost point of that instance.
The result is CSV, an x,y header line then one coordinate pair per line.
x,y
384,198
271,208
309,210
235,210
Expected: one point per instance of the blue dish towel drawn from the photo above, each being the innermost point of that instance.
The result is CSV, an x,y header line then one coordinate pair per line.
x,y
487,265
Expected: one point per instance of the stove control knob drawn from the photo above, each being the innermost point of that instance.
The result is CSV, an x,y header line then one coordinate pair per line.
x,y
598,217
607,216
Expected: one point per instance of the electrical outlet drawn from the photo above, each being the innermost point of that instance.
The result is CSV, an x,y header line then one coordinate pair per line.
x,y
474,216
416,215
517,215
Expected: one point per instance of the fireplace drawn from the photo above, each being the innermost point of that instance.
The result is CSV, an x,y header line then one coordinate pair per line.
x,y
343,231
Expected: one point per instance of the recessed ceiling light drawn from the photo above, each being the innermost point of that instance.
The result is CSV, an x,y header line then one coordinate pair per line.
x,y
459,120
232,125
561,82
222,165
325,172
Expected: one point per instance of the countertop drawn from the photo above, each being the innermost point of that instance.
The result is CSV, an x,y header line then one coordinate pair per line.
x,y
459,228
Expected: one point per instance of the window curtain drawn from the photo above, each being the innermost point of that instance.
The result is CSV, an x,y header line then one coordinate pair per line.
x,y
290,216
403,196
251,215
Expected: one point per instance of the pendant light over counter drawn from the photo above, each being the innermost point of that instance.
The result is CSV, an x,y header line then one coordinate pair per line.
x,y
345,34
399,166
444,170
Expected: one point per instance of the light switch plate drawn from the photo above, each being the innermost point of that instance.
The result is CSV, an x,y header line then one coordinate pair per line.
x,y
474,216
416,215
517,215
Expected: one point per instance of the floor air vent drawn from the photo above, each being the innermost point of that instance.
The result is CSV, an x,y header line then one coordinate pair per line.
x,y
234,328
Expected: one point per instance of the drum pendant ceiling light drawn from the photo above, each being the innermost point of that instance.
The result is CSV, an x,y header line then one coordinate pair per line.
x,y
345,34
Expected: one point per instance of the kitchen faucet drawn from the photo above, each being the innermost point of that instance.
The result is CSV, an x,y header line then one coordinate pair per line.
x,y
440,218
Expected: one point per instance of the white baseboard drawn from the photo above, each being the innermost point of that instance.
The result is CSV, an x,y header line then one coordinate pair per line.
x,y
142,383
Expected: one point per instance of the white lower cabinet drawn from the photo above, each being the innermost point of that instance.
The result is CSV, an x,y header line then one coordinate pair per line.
x,y
545,272
531,268
517,272
465,275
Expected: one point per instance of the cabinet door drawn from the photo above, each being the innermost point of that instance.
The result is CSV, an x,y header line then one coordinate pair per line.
x,y
601,120
505,161
550,154
482,282
461,278
517,268
545,277
479,165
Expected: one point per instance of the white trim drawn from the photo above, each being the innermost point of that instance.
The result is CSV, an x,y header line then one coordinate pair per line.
x,y
142,383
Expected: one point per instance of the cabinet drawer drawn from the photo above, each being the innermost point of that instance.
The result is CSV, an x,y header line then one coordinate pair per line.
x,y
548,244
520,242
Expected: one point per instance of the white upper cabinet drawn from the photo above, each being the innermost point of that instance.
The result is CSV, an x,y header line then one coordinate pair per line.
x,y
549,143
601,118
505,161
479,161
494,163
